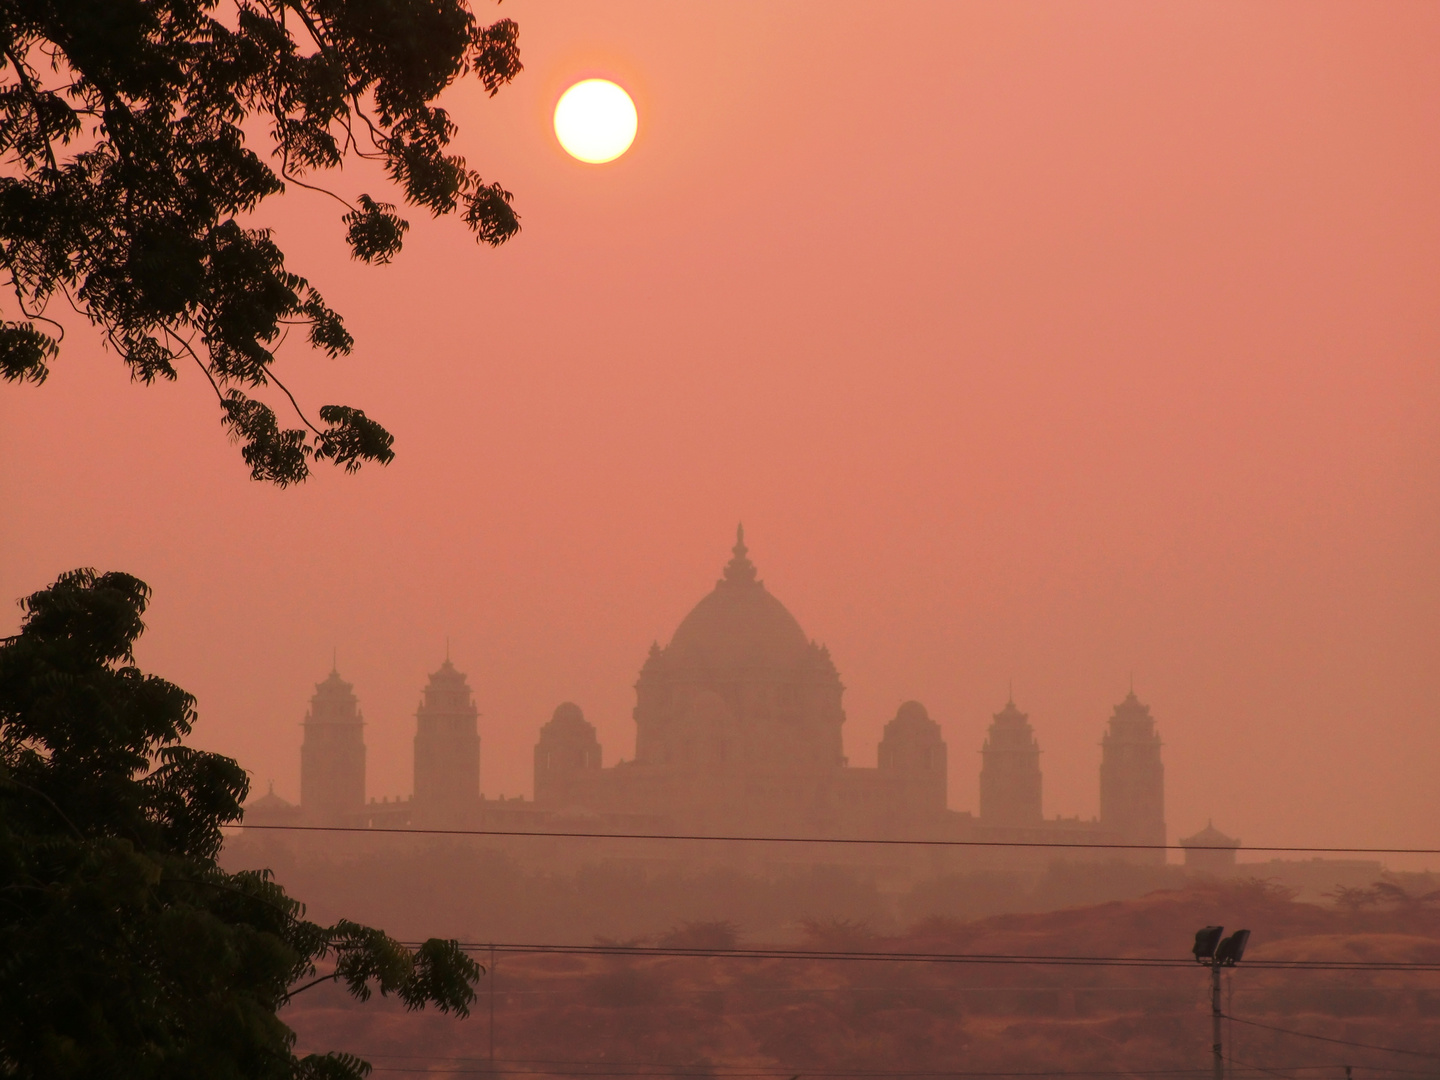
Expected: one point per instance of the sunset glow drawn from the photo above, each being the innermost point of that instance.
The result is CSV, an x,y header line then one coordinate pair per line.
x,y
925,566
595,121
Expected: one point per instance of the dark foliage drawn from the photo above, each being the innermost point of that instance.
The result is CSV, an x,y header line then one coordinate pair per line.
x,y
125,951
122,130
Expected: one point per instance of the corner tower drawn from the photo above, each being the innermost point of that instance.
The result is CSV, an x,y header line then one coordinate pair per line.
x,y
1132,780
1010,771
332,755
447,750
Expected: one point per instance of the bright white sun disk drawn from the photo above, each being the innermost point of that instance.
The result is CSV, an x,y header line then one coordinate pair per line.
x,y
595,121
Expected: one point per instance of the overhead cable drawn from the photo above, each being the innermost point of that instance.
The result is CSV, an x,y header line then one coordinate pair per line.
x,y
1328,1039
883,841
891,956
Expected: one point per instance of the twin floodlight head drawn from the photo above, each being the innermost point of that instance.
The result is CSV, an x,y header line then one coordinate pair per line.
x,y
1206,939
1213,948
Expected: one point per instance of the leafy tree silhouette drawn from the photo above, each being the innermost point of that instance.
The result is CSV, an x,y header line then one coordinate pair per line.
x,y
124,132
125,950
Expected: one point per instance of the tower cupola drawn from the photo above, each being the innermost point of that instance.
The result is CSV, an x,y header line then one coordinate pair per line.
x,y
1132,780
447,750
1010,770
332,755
912,755
567,753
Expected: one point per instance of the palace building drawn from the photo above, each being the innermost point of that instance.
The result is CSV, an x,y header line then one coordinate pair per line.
x,y
738,724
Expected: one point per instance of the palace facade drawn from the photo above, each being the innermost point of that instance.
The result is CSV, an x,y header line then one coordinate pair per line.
x,y
738,725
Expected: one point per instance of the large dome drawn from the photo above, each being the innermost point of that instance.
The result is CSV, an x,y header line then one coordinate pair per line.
x,y
739,624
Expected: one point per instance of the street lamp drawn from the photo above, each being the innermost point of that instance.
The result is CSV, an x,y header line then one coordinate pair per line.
x,y
1216,951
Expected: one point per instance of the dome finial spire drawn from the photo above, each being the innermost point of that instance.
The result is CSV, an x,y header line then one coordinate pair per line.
x,y
740,568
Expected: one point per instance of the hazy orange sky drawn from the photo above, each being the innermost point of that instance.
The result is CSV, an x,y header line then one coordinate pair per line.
x,y
1037,341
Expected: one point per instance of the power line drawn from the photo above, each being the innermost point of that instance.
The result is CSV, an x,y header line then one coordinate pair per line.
x,y
713,1072
1331,1065
703,1071
848,988
885,841
759,1070
1341,1042
889,956
1270,1071
700,1071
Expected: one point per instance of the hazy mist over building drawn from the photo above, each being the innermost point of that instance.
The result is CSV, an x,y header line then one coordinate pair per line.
x,y
738,731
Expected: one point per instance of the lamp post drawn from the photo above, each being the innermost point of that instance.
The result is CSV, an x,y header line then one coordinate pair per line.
x,y
1216,951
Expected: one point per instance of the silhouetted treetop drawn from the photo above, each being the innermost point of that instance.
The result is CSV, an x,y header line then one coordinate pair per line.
x,y
123,130
125,950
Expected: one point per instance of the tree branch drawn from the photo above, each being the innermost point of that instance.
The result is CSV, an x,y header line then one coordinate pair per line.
x,y
198,362
9,778
20,299
295,404
292,178
313,982
29,87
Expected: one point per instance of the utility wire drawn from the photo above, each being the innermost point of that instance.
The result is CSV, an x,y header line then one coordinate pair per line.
x,y
1341,1042
935,957
1333,1065
703,1074
702,1071
714,1068
888,841
736,1070
1270,1071
849,988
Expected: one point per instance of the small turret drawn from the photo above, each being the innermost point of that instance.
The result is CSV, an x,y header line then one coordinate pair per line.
x,y
1132,780
913,755
332,755
1210,851
1010,771
447,750
567,751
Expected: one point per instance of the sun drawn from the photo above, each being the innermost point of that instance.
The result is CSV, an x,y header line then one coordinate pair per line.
x,y
595,121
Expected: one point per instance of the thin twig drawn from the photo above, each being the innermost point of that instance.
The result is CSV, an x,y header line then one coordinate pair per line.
x,y
20,302
9,777
198,362
314,982
29,88
298,411
292,178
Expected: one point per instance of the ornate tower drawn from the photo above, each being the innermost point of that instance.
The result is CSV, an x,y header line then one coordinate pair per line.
x,y
332,755
1010,771
567,752
1132,779
913,754
447,750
